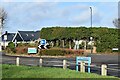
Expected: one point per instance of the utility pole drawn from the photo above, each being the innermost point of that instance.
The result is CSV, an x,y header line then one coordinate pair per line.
x,y
3,16
0,34
91,29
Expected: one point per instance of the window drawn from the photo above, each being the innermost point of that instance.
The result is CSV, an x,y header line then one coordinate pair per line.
x,y
26,34
32,34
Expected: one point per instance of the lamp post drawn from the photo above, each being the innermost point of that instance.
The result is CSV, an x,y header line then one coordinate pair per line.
x,y
91,16
91,27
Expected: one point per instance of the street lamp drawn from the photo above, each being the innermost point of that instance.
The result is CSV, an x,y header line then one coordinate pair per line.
x,y
91,27
91,15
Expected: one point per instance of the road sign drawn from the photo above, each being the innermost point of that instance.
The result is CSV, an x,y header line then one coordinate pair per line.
x,y
32,50
115,49
42,42
84,59
43,46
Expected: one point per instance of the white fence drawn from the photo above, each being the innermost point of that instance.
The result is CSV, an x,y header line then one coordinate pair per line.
x,y
66,63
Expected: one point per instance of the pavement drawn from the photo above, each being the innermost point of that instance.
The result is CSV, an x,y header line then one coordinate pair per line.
x,y
97,60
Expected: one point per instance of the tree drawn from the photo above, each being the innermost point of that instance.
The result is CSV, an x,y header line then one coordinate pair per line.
x,y
116,22
3,16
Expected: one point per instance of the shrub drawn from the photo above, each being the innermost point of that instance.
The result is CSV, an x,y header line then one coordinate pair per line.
x,y
27,44
10,48
21,50
52,52
59,52
11,45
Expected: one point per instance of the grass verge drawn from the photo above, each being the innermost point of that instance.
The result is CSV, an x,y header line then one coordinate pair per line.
x,y
13,71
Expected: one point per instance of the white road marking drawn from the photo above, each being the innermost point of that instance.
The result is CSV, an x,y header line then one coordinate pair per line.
x,y
112,64
60,65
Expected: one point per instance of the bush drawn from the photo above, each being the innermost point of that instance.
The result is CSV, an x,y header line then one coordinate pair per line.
x,y
27,44
52,52
11,45
10,48
59,52
21,50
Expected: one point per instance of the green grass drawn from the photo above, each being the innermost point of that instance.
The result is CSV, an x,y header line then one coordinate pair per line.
x,y
13,71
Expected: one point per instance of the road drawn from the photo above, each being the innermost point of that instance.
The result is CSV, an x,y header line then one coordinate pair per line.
x,y
110,60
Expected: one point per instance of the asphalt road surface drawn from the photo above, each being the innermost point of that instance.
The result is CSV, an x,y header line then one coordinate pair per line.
x,y
97,60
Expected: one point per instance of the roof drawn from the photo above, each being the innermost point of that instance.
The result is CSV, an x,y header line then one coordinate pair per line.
x,y
9,36
29,35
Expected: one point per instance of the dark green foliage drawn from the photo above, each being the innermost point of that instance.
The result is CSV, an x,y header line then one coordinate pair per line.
x,y
10,48
11,45
105,38
55,52
64,33
60,52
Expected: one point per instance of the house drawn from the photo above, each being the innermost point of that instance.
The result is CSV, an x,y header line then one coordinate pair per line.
x,y
8,36
21,36
26,36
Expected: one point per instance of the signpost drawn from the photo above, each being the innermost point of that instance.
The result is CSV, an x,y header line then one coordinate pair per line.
x,y
85,60
43,44
32,50
115,49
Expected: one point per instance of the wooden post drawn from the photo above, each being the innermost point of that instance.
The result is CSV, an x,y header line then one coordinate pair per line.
x,y
104,70
69,44
84,47
40,62
82,66
57,42
63,43
64,64
17,61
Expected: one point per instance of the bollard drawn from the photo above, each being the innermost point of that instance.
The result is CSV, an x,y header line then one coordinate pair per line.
x,y
104,70
40,62
82,66
64,64
17,61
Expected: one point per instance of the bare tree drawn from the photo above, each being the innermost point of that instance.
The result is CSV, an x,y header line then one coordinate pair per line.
x,y
116,22
3,16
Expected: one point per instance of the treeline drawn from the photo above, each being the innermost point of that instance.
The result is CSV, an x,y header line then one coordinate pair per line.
x,y
105,38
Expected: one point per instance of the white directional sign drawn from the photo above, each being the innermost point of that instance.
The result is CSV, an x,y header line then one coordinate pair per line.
x,y
42,46
115,49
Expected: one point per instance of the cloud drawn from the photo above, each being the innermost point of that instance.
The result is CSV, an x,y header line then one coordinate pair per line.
x,y
26,12
6,0
80,14
59,1
30,1
29,14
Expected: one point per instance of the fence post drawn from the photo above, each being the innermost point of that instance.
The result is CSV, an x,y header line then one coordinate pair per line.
x,y
82,66
40,62
104,69
64,64
17,61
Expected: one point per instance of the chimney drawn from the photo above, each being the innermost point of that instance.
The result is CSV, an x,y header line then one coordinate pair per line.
x,y
6,32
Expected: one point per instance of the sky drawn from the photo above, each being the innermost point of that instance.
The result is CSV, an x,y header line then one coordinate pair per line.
x,y
34,15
